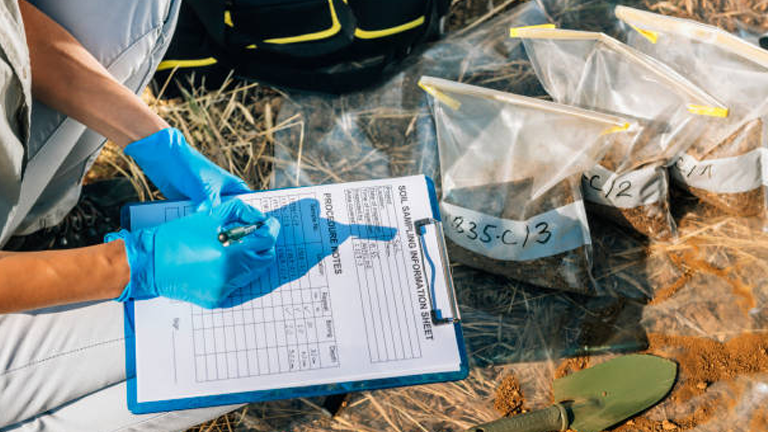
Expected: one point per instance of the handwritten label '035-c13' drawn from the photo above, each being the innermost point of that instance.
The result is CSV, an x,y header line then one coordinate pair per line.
x,y
632,189
550,233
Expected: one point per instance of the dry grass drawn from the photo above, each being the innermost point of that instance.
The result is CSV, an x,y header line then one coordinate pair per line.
x,y
233,125
728,14
713,283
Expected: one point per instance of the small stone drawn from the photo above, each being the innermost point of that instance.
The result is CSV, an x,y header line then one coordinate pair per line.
x,y
668,425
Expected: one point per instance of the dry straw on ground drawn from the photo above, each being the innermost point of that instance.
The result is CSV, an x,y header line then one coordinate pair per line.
x,y
712,284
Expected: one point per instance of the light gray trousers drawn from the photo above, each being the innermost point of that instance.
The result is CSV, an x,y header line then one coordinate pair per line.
x,y
63,369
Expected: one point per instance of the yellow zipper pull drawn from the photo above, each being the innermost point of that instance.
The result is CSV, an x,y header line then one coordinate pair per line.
x,y
442,97
614,129
708,110
648,34
515,31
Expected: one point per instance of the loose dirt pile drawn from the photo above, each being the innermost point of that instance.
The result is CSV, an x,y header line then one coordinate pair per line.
x,y
570,270
702,363
509,397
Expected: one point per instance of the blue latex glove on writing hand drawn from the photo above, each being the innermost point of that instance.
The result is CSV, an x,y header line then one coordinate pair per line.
x,y
184,260
181,172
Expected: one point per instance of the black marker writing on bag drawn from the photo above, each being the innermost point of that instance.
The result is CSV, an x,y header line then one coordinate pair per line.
x,y
695,170
622,191
539,233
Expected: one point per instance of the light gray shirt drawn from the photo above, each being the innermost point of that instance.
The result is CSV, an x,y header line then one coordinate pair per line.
x,y
15,103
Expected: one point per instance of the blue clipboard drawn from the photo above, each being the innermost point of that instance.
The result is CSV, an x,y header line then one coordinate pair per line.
x,y
315,390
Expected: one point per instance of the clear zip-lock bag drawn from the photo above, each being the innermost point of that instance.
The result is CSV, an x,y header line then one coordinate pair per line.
x,y
724,166
511,171
594,71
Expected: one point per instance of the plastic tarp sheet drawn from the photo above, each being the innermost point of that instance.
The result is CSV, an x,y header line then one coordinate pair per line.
x,y
701,301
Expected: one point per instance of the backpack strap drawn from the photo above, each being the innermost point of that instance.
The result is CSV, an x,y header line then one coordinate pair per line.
x,y
201,47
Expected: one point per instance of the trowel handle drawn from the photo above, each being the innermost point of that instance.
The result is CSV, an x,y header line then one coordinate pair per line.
x,y
554,418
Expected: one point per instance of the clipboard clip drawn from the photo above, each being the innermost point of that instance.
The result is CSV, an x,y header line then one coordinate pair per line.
x,y
436,313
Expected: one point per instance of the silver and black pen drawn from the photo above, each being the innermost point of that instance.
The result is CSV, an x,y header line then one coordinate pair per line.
x,y
235,234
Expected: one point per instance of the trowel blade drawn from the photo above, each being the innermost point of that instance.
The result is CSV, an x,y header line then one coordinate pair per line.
x,y
611,392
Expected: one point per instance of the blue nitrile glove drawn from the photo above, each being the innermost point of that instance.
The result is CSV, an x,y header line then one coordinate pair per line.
x,y
180,171
184,260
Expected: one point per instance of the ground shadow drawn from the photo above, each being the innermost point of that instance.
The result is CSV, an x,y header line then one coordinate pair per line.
x,y
507,321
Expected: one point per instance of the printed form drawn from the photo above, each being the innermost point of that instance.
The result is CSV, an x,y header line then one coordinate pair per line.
x,y
346,300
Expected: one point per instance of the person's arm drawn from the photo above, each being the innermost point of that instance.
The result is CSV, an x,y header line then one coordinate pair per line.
x,y
32,280
66,77
182,259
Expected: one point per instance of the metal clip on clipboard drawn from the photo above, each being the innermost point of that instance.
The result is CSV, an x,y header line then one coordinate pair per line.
x,y
436,313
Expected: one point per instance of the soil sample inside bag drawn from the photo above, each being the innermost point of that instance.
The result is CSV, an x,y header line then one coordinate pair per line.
x,y
646,186
740,155
511,169
724,167
542,228
594,71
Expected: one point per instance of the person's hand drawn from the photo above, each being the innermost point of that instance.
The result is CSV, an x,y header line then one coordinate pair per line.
x,y
184,260
181,172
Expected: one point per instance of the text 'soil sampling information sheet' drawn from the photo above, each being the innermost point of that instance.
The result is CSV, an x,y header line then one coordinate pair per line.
x,y
346,300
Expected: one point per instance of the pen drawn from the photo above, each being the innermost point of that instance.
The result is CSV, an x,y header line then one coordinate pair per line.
x,y
235,234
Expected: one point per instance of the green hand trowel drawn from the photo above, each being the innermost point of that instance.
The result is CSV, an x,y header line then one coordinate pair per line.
x,y
597,398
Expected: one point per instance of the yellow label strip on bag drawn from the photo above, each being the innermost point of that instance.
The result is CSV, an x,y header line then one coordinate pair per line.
x,y
694,30
442,97
708,110
705,104
515,31
652,36
615,129
534,32
429,83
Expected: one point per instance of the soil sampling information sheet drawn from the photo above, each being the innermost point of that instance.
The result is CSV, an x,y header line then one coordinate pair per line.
x,y
346,300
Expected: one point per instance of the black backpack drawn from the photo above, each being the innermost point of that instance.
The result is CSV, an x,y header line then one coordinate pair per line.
x,y
321,45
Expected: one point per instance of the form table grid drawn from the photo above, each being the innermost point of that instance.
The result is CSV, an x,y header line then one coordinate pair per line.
x,y
281,323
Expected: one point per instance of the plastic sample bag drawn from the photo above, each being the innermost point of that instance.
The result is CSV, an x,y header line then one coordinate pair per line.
x,y
387,130
594,71
511,168
724,167
704,284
